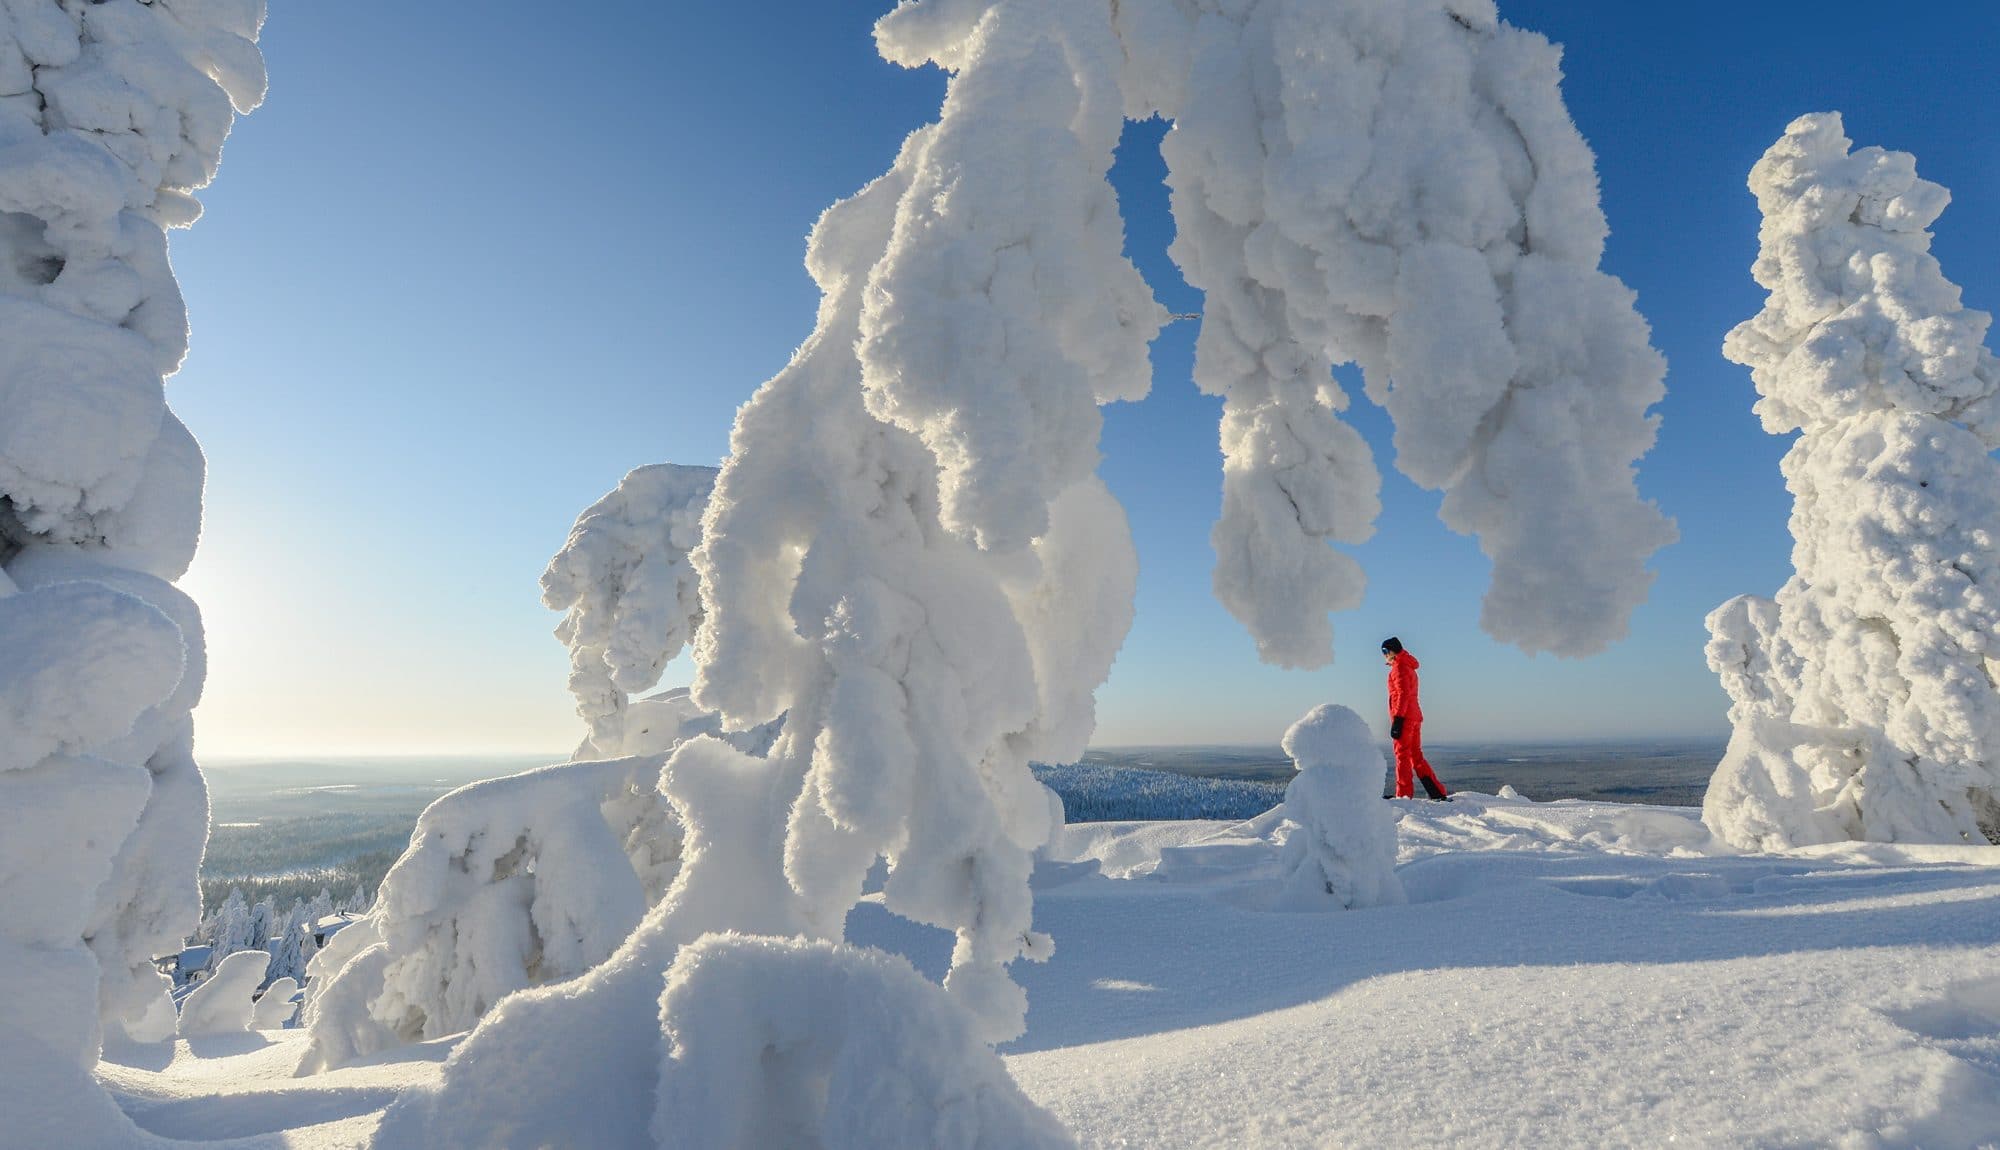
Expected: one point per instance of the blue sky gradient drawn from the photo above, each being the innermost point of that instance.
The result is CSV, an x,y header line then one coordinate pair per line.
x,y
458,275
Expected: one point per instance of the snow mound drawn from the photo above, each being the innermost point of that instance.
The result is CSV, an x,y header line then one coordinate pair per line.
x,y
1341,850
276,1006
794,1043
224,1002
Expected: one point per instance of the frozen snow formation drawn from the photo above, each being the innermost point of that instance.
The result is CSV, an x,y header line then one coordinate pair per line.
x,y
791,1043
631,597
1341,849
909,561
225,1003
275,1008
508,883
1399,186
1863,697
111,116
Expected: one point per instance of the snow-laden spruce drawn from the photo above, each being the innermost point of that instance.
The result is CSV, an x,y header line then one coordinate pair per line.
x,y
1400,186
631,598
1863,698
111,116
1340,846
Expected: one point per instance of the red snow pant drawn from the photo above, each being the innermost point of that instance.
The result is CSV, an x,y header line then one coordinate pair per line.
x,y
1410,759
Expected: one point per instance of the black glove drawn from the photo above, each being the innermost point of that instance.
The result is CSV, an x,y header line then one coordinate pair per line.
x,y
1396,728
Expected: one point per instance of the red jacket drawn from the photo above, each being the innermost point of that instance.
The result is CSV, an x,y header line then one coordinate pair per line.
x,y
1403,689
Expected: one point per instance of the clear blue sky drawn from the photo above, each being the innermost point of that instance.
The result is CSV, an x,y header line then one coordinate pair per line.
x,y
460,273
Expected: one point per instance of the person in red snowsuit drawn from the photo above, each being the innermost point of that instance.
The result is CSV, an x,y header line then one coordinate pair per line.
x,y
1406,724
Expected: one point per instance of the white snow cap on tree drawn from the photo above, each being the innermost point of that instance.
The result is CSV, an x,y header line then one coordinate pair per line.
x,y
1864,698
633,600
1399,186
1341,846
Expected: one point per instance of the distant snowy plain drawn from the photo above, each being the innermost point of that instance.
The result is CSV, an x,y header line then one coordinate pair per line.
x,y
1564,974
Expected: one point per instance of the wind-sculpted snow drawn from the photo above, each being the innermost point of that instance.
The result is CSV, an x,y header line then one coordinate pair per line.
x,y
1340,849
112,115
1864,698
1400,186
226,1002
631,597
507,884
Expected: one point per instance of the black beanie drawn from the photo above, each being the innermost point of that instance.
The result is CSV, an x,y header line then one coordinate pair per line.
x,y
1393,645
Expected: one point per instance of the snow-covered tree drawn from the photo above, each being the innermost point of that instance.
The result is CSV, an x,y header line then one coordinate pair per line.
x,y
1863,698
1340,845
908,555
112,115
632,600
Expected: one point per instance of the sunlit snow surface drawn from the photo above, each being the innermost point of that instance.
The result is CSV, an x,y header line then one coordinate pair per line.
x,y
1570,973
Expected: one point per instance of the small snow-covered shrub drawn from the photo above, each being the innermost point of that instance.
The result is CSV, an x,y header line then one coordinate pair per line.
x,y
225,1002
1341,847
276,1006
508,883
778,1042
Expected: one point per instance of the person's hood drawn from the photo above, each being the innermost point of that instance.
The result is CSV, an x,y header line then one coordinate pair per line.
x,y
1405,659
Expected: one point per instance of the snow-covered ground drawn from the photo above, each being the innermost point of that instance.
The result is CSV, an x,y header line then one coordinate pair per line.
x,y
1563,974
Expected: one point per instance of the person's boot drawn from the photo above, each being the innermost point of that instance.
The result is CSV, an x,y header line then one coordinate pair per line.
x,y
1434,789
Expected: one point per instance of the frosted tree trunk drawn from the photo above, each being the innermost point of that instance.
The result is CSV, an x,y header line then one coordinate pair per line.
x,y
1863,697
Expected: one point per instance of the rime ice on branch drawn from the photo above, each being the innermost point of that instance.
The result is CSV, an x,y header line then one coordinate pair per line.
x,y
1863,697
1400,186
111,115
631,597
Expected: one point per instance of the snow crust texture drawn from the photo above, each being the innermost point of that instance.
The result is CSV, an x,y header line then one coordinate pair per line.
x,y
1863,696
1399,186
1341,851
112,115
